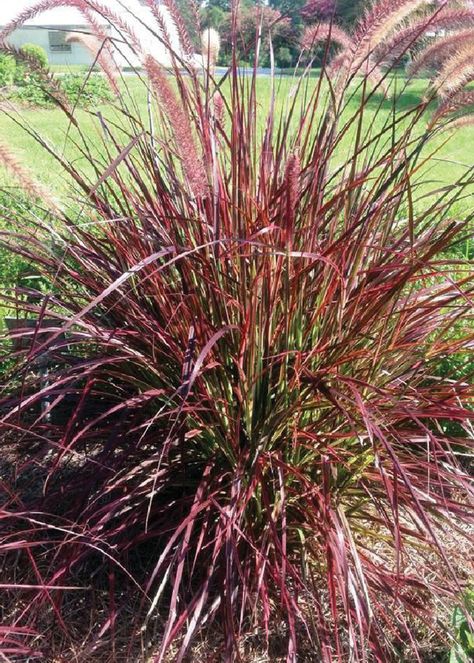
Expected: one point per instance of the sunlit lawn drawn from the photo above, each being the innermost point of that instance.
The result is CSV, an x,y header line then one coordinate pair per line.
x,y
451,152
446,165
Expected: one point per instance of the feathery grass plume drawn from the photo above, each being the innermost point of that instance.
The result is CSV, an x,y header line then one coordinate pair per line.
x,y
440,50
291,179
360,49
182,129
462,101
456,72
378,24
251,441
88,8
210,46
168,17
321,32
96,48
219,107
382,19
416,28
23,176
460,122
175,14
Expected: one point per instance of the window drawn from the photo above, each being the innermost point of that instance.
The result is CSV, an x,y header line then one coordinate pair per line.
x,y
57,43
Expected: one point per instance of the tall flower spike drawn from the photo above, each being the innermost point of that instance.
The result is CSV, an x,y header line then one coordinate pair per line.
x,y
292,174
180,124
177,19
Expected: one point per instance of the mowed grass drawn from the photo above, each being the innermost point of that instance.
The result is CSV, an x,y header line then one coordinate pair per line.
x,y
451,151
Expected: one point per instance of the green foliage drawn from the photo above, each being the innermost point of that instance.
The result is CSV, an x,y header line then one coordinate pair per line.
x,y
30,92
463,649
7,70
79,89
216,14
348,11
271,22
86,91
223,5
24,83
283,57
37,53
213,17
12,265
290,8
25,75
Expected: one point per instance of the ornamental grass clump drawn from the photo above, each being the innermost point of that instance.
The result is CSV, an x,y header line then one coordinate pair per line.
x,y
242,430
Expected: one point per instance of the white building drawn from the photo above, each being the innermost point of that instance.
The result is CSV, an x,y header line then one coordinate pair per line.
x,y
50,28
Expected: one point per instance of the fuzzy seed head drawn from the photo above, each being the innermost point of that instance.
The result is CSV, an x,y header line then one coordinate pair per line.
x,y
24,178
211,45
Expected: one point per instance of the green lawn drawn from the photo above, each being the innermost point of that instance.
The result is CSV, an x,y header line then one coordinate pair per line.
x,y
448,164
455,153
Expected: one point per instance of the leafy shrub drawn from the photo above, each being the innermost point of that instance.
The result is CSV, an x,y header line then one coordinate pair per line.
x,y
284,57
87,90
7,70
27,79
83,89
244,432
36,52
30,92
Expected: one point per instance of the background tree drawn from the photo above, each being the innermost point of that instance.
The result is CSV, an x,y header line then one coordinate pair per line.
x,y
213,17
289,18
348,11
223,5
272,21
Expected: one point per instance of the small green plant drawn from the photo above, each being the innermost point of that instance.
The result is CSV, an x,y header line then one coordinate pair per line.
x,y
35,52
283,57
30,59
11,264
30,93
86,92
463,649
7,70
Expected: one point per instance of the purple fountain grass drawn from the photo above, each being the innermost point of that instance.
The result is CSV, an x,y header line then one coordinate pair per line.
x,y
456,72
321,32
243,429
436,53
388,32
181,125
175,14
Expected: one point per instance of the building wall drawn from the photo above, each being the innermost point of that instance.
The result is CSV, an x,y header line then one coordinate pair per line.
x,y
40,36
